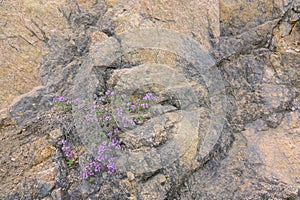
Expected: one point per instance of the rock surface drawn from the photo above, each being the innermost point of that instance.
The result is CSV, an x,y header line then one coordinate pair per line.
x,y
232,67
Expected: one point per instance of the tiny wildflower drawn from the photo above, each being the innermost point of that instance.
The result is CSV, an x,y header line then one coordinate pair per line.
x,y
109,133
144,105
85,175
101,112
61,98
119,112
108,92
97,168
116,130
132,107
147,96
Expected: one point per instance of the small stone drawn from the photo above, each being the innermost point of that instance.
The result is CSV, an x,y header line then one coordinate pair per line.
x,y
130,176
55,134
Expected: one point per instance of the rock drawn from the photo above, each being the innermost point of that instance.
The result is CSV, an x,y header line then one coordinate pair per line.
x,y
25,28
226,74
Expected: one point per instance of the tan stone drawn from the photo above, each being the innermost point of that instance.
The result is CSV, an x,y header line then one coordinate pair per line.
x,y
278,148
22,39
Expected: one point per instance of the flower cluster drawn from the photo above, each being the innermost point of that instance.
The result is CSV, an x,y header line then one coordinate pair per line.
x,y
104,159
66,150
114,113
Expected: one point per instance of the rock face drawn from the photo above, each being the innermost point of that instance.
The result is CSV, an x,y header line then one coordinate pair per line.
x,y
228,126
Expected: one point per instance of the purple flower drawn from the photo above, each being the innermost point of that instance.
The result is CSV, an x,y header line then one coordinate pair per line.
x,y
70,154
85,175
119,112
114,142
54,100
107,118
116,130
132,123
144,105
147,96
88,117
132,107
97,168
108,92
101,149
77,100
111,166
69,102
154,99
91,173
92,164
66,150
109,133
61,98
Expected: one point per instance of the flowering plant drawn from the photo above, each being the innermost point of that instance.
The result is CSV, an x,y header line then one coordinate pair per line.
x,y
113,120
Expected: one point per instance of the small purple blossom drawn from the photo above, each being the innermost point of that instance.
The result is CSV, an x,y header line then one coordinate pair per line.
x,y
109,133
116,130
97,168
69,102
85,175
114,142
108,92
147,96
111,166
61,98
119,112
77,100
144,105
107,118
66,150
132,123
132,107
70,154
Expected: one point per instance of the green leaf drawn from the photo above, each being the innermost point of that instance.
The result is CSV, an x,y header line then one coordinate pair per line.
x,y
68,107
70,162
141,118
102,134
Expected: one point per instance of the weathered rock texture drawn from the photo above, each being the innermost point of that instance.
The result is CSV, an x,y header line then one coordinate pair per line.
x,y
227,71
